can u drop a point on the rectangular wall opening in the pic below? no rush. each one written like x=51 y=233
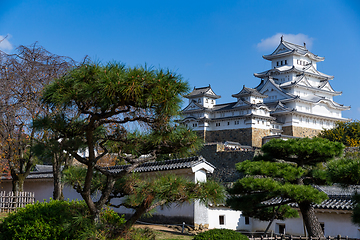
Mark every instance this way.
x=221 y=220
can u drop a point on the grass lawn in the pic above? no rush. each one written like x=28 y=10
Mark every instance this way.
x=169 y=235
x=3 y=215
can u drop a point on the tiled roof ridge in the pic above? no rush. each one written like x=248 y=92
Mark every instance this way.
x=171 y=164
x=296 y=45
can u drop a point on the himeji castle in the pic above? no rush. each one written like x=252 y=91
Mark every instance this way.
x=292 y=99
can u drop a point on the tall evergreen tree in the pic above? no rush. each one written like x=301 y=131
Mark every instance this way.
x=284 y=174
x=114 y=108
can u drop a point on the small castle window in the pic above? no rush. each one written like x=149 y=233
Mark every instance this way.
x=285 y=62
x=199 y=100
x=277 y=63
x=281 y=63
x=206 y=100
x=221 y=220
x=228 y=123
x=217 y=124
x=247 y=220
x=281 y=228
x=212 y=101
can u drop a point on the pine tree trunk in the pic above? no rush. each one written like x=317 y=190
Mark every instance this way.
x=312 y=224
x=138 y=213
x=58 y=186
x=58 y=189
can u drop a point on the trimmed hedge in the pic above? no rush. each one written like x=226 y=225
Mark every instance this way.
x=220 y=234
x=56 y=220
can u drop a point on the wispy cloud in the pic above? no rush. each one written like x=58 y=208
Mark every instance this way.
x=272 y=42
x=5 y=44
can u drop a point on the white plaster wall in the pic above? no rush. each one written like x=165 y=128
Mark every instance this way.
x=208 y=102
x=322 y=109
x=173 y=210
x=43 y=189
x=334 y=224
x=339 y=224
x=224 y=124
x=232 y=218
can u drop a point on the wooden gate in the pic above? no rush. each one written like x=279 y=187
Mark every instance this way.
x=11 y=201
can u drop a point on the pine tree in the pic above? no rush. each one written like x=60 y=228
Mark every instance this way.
x=116 y=109
x=284 y=174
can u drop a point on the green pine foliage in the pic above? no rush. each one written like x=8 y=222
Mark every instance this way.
x=116 y=109
x=220 y=234
x=284 y=173
x=160 y=190
x=345 y=171
x=355 y=217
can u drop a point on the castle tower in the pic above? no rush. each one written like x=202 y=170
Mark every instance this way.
x=293 y=99
x=299 y=96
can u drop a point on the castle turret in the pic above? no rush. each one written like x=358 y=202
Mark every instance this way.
x=204 y=96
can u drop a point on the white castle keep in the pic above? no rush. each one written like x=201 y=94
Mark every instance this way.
x=292 y=99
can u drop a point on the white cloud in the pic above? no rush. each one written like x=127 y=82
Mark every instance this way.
x=5 y=44
x=272 y=42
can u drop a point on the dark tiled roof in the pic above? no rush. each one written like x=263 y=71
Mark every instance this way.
x=294 y=48
x=41 y=171
x=248 y=92
x=45 y=171
x=175 y=164
x=339 y=198
x=43 y=168
x=203 y=91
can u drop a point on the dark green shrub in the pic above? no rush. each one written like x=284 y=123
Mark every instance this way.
x=220 y=234
x=56 y=220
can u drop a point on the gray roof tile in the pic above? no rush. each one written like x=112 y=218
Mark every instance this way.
x=175 y=164
x=203 y=91
x=339 y=198
x=45 y=171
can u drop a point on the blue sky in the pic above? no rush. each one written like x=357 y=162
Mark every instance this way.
x=208 y=42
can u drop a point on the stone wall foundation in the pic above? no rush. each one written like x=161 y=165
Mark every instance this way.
x=300 y=131
x=245 y=136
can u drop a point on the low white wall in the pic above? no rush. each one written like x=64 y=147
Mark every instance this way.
x=43 y=189
x=232 y=218
x=335 y=223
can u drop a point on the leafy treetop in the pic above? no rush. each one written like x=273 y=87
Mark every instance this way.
x=347 y=133
x=284 y=174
